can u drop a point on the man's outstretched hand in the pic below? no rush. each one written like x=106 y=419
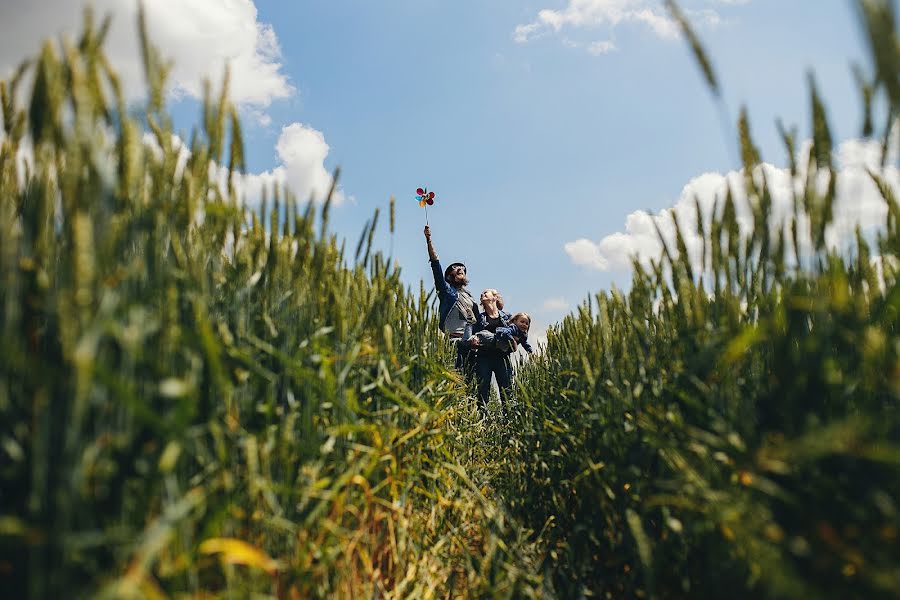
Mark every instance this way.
x=432 y=255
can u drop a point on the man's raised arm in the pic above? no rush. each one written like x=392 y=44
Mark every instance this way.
x=440 y=284
x=432 y=255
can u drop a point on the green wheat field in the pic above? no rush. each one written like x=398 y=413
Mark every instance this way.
x=200 y=400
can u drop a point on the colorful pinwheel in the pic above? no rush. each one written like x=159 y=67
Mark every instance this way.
x=424 y=197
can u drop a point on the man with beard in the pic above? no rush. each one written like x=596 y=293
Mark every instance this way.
x=456 y=308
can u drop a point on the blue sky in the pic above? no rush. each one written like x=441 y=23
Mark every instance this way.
x=531 y=145
x=537 y=123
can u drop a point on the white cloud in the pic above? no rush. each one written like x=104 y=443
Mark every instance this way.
x=556 y=304
x=602 y=47
x=661 y=25
x=589 y=13
x=201 y=36
x=178 y=144
x=582 y=14
x=301 y=151
x=523 y=33
x=858 y=202
x=586 y=253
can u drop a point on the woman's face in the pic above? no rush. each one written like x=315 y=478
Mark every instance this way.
x=487 y=297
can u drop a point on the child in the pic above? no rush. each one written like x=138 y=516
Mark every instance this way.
x=506 y=337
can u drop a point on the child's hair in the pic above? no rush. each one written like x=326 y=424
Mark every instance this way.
x=516 y=316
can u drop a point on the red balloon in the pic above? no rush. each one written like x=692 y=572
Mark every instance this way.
x=430 y=201
x=431 y=195
x=420 y=191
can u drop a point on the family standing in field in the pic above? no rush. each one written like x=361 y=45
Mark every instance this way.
x=484 y=340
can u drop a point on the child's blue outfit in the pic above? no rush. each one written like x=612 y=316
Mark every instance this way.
x=501 y=339
x=504 y=337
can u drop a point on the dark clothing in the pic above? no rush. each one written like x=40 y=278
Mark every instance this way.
x=492 y=361
x=466 y=361
x=492 y=323
x=486 y=323
x=498 y=365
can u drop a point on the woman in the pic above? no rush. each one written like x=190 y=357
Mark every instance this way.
x=492 y=361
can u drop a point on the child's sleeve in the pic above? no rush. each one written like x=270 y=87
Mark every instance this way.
x=504 y=334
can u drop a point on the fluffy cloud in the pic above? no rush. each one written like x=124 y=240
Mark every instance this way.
x=580 y=14
x=555 y=304
x=591 y=13
x=301 y=151
x=201 y=36
x=858 y=202
x=586 y=253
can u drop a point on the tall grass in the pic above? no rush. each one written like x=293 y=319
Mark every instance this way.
x=730 y=428
x=203 y=395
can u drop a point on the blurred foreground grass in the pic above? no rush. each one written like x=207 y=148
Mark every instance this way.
x=196 y=395
x=199 y=397
x=728 y=427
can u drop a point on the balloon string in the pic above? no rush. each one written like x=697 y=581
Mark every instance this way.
x=426 y=214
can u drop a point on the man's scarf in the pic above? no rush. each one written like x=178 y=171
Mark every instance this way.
x=465 y=309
